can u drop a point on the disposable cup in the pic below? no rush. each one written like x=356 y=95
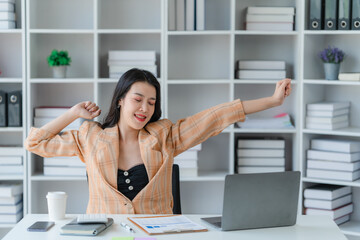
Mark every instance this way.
x=56 y=205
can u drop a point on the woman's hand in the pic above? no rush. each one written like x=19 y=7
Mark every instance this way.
x=282 y=90
x=87 y=110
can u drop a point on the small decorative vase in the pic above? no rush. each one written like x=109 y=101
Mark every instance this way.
x=59 y=71
x=331 y=71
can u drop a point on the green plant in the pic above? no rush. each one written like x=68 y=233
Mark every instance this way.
x=58 y=58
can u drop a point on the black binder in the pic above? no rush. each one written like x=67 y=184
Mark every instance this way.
x=3 y=109
x=355 y=15
x=316 y=14
x=14 y=109
x=344 y=18
x=330 y=16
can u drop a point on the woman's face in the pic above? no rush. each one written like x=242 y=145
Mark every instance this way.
x=137 y=107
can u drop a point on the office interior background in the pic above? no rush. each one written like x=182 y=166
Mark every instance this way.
x=196 y=68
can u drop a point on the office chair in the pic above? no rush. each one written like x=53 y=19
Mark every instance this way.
x=175 y=188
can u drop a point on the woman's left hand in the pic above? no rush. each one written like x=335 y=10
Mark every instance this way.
x=282 y=90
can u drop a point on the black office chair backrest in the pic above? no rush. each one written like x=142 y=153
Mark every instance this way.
x=176 y=189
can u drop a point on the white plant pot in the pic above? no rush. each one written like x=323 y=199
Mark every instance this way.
x=59 y=71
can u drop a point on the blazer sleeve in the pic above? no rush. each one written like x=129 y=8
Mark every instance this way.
x=195 y=129
x=68 y=143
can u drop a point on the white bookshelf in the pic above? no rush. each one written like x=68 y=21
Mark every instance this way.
x=196 y=70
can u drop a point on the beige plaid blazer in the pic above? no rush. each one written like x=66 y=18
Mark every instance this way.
x=159 y=143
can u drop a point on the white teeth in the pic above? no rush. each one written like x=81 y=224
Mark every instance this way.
x=140 y=116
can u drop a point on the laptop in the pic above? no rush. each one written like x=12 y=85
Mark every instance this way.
x=259 y=200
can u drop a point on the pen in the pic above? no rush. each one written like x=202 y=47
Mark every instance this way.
x=127 y=227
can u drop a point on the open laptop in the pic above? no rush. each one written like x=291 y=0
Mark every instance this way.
x=259 y=200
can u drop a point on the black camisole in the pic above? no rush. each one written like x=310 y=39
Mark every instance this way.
x=132 y=181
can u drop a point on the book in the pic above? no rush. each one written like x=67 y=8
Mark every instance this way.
x=180 y=15
x=11 y=200
x=327 y=204
x=261 y=143
x=187 y=155
x=9 y=16
x=271 y=10
x=259 y=64
x=326 y=191
x=188 y=172
x=281 y=121
x=333 y=156
x=88 y=229
x=11 y=218
x=64 y=171
x=324 y=126
x=261 y=74
x=131 y=62
x=269 y=26
x=342 y=219
x=41 y=121
x=189 y=15
x=327 y=120
x=349 y=76
x=336 y=145
x=332 y=165
x=186 y=163
x=7 y=7
x=11 y=209
x=64 y=162
x=334 y=213
x=11 y=150
x=11 y=160
x=46 y=111
x=329 y=113
x=260 y=153
x=265 y=161
x=132 y=55
x=172 y=15
x=10 y=189
x=327 y=106
x=5 y=24
x=200 y=15
x=125 y=68
x=11 y=169
x=257 y=169
x=289 y=18
x=333 y=175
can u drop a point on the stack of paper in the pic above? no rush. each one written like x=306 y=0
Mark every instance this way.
x=121 y=61
x=279 y=121
x=259 y=69
x=7 y=14
x=44 y=115
x=11 y=202
x=270 y=18
x=261 y=155
x=334 y=159
x=64 y=166
x=188 y=162
x=349 y=76
x=331 y=200
x=11 y=164
x=327 y=115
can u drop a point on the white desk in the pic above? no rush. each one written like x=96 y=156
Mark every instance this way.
x=307 y=227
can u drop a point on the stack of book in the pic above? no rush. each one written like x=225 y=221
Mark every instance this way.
x=334 y=159
x=349 y=76
x=270 y=18
x=121 y=61
x=279 y=121
x=11 y=164
x=188 y=162
x=259 y=69
x=44 y=115
x=330 y=200
x=64 y=166
x=186 y=15
x=7 y=14
x=11 y=202
x=327 y=115
x=261 y=155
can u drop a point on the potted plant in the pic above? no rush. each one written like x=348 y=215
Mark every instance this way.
x=331 y=57
x=59 y=60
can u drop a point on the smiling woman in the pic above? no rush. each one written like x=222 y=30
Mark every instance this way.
x=129 y=157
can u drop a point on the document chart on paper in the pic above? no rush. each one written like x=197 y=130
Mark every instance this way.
x=167 y=224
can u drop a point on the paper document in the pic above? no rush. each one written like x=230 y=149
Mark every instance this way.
x=166 y=224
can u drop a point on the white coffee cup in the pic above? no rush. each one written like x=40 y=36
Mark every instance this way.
x=56 y=205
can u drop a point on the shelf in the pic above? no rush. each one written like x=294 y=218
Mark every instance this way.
x=245 y=32
x=10 y=80
x=351 y=228
x=7 y=225
x=328 y=32
x=335 y=182
x=12 y=177
x=128 y=31
x=206 y=176
x=62 y=31
x=259 y=130
x=11 y=129
x=18 y=31
x=349 y=131
x=197 y=81
x=61 y=80
x=331 y=82
x=41 y=177
x=206 y=32
x=257 y=81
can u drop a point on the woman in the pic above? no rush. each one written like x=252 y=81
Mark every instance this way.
x=129 y=157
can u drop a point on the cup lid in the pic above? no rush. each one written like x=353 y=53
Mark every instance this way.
x=56 y=195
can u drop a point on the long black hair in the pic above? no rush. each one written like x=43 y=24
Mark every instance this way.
x=123 y=86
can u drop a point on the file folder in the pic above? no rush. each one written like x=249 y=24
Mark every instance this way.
x=316 y=14
x=330 y=15
x=14 y=109
x=355 y=15
x=344 y=19
x=3 y=109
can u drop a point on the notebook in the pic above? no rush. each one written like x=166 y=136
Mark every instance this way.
x=85 y=229
x=259 y=200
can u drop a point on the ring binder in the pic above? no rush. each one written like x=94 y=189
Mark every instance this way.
x=316 y=14
x=14 y=109
x=344 y=14
x=330 y=17
x=355 y=15
x=3 y=109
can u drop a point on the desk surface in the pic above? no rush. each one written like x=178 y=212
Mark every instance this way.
x=307 y=227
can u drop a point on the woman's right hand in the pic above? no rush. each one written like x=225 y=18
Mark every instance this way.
x=87 y=110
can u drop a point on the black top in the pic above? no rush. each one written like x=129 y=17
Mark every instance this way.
x=132 y=181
